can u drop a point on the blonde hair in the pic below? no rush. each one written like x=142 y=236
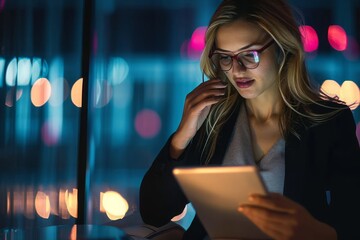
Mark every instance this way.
x=274 y=17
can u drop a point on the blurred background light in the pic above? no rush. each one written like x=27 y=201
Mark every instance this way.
x=42 y=205
x=337 y=37
x=348 y=92
x=60 y=93
x=147 y=123
x=50 y=133
x=331 y=88
x=11 y=73
x=2 y=70
x=197 y=43
x=114 y=205
x=309 y=38
x=24 y=71
x=71 y=202
x=76 y=93
x=13 y=94
x=118 y=70
x=352 y=51
x=40 y=92
x=103 y=93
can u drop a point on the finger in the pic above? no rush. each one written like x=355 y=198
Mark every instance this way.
x=274 y=227
x=274 y=202
x=204 y=99
x=196 y=108
x=211 y=84
x=266 y=215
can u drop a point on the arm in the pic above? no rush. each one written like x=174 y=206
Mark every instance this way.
x=160 y=196
x=345 y=178
x=283 y=218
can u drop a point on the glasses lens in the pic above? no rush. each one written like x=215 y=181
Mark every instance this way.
x=249 y=59
x=222 y=60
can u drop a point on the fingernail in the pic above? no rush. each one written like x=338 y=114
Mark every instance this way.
x=241 y=209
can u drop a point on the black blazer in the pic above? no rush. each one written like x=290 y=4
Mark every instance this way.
x=325 y=160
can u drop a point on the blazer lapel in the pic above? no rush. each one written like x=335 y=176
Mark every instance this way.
x=296 y=155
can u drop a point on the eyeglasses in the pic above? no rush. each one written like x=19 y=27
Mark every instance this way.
x=250 y=59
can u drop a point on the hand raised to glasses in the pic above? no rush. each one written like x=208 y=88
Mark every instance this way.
x=283 y=219
x=196 y=109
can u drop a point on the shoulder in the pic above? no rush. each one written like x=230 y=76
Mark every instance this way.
x=328 y=107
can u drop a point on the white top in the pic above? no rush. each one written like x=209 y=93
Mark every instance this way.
x=240 y=152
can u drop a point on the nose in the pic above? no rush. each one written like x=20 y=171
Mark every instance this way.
x=238 y=66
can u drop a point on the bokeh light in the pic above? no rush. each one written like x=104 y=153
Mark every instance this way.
x=60 y=93
x=63 y=212
x=147 y=123
x=197 y=43
x=76 y=93
x=40 y=92
x=349 y=93
x=71 y=203
x=2 y=70
x=331 y=88
x=309 y=38
x=352 y=51
x=11 y=73
x=337 y=37
x=9 y=101
x=118 y=70
x=114 y=205
x=29 y=205
x=50 y=133
x=42 y=205
x=39 y=68
x=103 y=93
x=24 y=71
x=2 y=5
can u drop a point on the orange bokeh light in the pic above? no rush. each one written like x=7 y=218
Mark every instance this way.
x=348 y=92
x=40 y=92
x=42 y=205
x=114 y=204
x=76 y=93
x=71 y=202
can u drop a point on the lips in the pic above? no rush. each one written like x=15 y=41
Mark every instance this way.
x=244 y=82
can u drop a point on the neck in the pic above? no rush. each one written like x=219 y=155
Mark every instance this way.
x=264 y=109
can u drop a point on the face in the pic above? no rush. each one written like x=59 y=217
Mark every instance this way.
x=238 y=37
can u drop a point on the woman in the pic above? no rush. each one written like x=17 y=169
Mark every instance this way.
x=259 y=108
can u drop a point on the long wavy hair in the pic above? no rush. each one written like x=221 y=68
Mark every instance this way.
x=276 y=18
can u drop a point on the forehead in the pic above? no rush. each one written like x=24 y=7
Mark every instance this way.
x=238 y=34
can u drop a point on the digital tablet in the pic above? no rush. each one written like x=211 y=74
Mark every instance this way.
x=217 y=192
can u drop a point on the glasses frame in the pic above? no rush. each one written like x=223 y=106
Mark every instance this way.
x=238 y=59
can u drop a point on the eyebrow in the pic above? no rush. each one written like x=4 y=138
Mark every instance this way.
x=238 y=50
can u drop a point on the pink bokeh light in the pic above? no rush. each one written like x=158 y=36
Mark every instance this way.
x=197 y=43
x=309 y=38
x=337 y=37
x=352 y=51
x=50 y=134
x=147 y=123
x=2 y=5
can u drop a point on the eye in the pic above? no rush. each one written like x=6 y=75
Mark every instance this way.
x=224 y=59
x=251 y=56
